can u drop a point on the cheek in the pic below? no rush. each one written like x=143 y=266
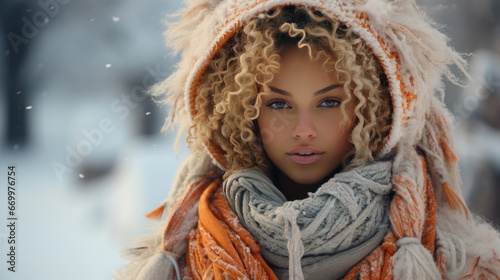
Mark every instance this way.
x=265 y=132
x=345 y=124
x=271 y=126
x=339 y=133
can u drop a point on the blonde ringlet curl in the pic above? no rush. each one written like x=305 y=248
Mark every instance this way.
x=230 y=92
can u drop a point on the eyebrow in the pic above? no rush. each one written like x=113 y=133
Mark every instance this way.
x=321 y=91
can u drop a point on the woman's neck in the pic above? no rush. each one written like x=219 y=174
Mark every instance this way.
x=293 y=190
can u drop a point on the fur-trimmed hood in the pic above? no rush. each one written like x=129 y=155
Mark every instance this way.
x=413 y=54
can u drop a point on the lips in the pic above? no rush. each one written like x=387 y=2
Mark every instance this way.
x=305 y=155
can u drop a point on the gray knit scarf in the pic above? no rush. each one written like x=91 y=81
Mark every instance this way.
x=322 y=236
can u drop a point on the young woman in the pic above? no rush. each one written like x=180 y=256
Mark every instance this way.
x=319 y=148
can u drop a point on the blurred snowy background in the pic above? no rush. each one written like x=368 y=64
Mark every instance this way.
x=86 y=140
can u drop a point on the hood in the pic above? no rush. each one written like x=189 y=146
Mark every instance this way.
x=413 y=54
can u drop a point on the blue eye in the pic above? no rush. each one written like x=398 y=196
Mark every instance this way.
x=278 y=105
x=329 y=103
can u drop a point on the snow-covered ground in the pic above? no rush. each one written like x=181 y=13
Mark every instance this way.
x=73 y=229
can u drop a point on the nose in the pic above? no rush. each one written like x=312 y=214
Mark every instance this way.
x=304 y=127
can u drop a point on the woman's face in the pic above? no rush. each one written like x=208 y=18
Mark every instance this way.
x=300 y=120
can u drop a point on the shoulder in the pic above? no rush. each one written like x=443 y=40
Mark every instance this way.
x=147 y=257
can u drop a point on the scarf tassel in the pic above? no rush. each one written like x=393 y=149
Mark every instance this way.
x=160 y=266
x=294 y=244
x=414 y=261
x=157 y=213
x=454 y=201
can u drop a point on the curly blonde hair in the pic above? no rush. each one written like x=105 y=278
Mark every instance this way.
x=230 y=91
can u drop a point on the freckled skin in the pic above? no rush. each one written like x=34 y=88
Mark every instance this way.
x=302 y=115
